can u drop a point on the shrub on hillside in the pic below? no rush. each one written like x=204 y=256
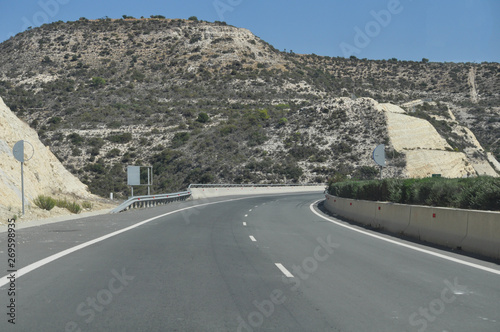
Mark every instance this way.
x=45 y=202
x=87 y=205
x=180 y=139
x=203 y=117
x=72 y=207
x=120 y=138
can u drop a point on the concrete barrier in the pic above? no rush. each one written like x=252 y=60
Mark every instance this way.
x=198 y=193
x=337 y=205
x=483 y=233
x=360 y=211
x=444 y=226
x=473 y=231
x=394 y=218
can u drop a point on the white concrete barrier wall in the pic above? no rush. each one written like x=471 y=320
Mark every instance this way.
x=483 y=233
x=444 y=226
x=473 y=231
x=198 y=193
x=392 y=217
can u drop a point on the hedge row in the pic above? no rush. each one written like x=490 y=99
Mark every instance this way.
x=481 y=193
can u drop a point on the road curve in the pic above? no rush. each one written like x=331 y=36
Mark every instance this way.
x=247 y=264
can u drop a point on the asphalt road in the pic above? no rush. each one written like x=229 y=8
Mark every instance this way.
x=249 y=264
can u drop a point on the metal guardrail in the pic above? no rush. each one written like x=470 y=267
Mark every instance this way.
x=154 y=200
x=151 y=200
x=221 y=185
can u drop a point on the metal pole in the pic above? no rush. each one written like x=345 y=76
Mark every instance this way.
x=22 y=184
x=131 y=187
x=381 y=172
x=149 y=183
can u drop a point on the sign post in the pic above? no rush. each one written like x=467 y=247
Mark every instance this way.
x=379 y=157
x=18 y=152
x=134 y=177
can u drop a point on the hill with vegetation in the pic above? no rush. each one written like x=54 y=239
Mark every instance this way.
x=207 y=102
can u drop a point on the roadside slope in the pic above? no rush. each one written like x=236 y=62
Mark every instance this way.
x=43 y=174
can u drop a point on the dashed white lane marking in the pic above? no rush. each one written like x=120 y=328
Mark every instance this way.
x=244 y=223
x=252 y=238
x=409 y=246
x=284 y=270
x=246 y=215
x=250 y=210
x=27 y=269
x=256 y=206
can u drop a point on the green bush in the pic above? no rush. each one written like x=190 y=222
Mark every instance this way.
x=180 y=139
x=72 y=207
x=113 y=153
x=75 y=139
x=282 y=122
x=87 y=205
x=203 y=117
x=120 y=138
x=482 y=193
x=62 y=203
x=98 y=82
x=45 y=202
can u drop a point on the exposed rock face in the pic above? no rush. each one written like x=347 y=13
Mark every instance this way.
x=424 y=163
x=43 y=173
x=407 y=133
x=426 y=151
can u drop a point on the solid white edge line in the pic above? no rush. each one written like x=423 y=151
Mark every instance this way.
x=429 y=252
x=284 y=270
x=27 y=269
x=252 y=238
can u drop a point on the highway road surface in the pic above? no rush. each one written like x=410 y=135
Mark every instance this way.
x=268 y=263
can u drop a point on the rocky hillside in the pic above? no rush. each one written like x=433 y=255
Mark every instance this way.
x=207 y=102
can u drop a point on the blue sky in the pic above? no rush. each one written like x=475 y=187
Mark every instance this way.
x=440 y=30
